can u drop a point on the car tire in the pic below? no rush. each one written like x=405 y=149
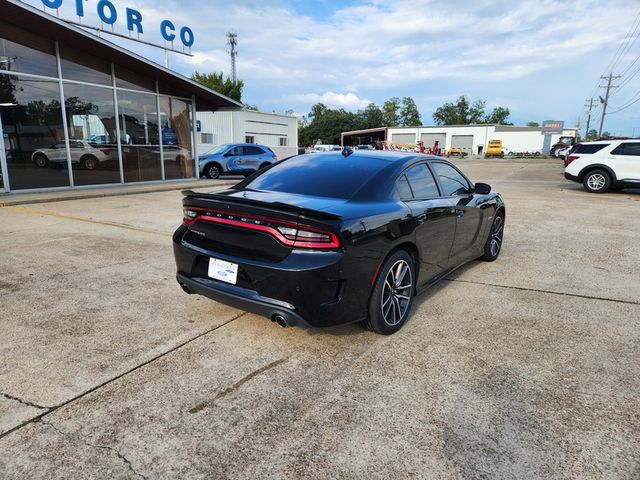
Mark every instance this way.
x=493 y=245
x=89 y=162
x=392 y=295
x=41 y=160
x=597 y=181
x=212 y=171
x=264 y=165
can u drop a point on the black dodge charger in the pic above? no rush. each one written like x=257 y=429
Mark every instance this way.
x=327 y=239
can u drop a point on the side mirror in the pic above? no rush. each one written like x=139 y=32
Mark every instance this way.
x=228 y=154
x=482 y=189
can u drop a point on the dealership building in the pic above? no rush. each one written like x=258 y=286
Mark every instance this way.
x=278 y=132
x=472 y=139
x=79 y=111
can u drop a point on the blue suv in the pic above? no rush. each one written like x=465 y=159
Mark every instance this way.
x=235 y=159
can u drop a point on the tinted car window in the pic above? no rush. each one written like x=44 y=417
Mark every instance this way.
x=422 y=182
x=235 y=151
x=253 y=151
x=319 y=175
x=627 y=149
x=403 y=188
x=453 y=183
x=589 y=148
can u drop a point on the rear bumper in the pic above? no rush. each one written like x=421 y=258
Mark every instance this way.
x=243 y=299
x=309 y=289
x=573 y=178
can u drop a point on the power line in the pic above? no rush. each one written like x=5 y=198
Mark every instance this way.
x=621 y=50
x=625 y=44
x=631 y=102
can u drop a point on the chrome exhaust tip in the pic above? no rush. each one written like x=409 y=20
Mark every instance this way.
x=279 y=319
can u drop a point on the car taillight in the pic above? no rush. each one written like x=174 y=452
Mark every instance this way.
x=290 y=234
x=571 y=158
x=304 y=238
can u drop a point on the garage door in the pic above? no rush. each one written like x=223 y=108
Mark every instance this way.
x=403 y=138
x=430 y=139
x=464 y=142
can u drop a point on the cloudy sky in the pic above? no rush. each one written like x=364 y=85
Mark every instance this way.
x=539 y=58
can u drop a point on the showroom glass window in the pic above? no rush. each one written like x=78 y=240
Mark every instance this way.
x=23 y=52
x=175 y=123
x=82 y=67
x=91 y=121
x=140 y=136
x=125 y=78
x=34 y=134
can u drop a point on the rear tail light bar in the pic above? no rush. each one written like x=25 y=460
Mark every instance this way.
x=290 y=234
x=571 y=158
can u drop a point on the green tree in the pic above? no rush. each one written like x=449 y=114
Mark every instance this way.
x=371 y=117
x=391 y=112
x=498 y=116
x=327 y=125
x=592 y=134
x=460 y=112
x=409 y=115
x=533 y=124
x=221 y=84
x=606 y=134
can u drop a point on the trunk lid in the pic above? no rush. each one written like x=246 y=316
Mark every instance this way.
x=263 y=226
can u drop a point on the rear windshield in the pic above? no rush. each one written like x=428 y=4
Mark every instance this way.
x=589 y=147
x=332 y=176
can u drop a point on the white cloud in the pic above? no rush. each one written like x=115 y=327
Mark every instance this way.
x=349 y=101
x=522 y=52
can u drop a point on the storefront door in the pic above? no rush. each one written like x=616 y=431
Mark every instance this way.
x=3 y=160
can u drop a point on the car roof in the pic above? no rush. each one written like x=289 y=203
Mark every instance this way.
x=388 y=155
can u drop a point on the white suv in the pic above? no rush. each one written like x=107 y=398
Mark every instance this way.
x=605 y=165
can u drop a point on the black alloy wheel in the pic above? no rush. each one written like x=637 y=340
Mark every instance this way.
x=493 y=245
x=41 y=160
x=89 y=162
x=212 y=171
x=392 y=295
x=597 y=181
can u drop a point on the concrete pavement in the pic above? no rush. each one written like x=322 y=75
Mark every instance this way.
x=523 y=368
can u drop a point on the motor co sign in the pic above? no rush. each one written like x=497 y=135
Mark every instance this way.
x=108 y=14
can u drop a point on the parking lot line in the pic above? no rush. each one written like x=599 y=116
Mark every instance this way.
x=52 y=409
x=33 y=211
x=589 y=297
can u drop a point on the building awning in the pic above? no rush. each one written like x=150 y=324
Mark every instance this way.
x=31 y=19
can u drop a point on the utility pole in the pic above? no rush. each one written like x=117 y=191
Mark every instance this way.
x=590 y=107
x=232 y=40
x=605 y=100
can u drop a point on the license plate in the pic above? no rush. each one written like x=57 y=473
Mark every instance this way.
x=223 y=271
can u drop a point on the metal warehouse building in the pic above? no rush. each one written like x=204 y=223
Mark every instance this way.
x=472 y=139
x=79 y=111
x=278 y=132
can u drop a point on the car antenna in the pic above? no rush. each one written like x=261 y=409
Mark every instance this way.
x=346 y=151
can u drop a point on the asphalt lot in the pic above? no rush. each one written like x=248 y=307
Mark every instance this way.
x=528 y=367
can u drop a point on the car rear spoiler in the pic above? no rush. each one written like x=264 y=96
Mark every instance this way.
x=305 y=212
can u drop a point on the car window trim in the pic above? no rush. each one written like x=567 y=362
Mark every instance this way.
x=437 y=177
x=421 y=199
x=413 y=196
